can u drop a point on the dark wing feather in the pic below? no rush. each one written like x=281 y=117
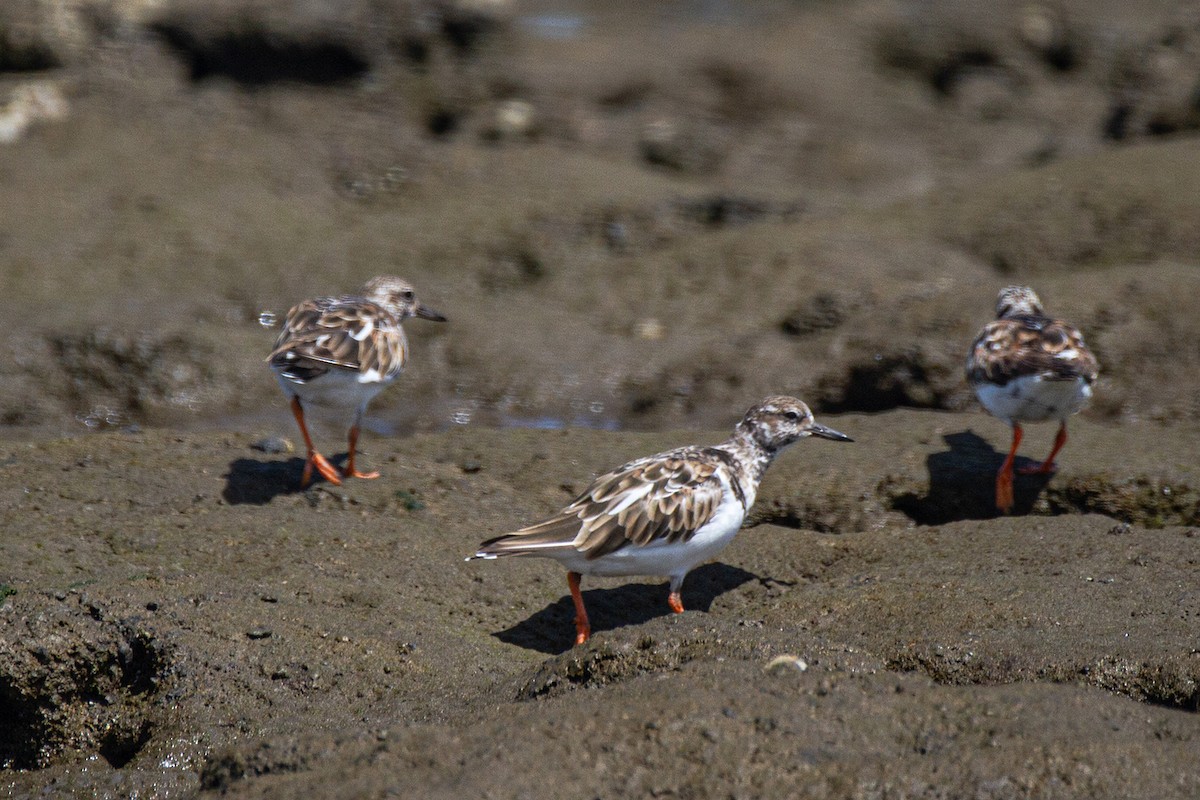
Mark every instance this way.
x=327 y=333
x=1015 y=347
x=678 y=492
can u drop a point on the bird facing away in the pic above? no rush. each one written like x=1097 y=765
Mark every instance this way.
x=1027 y=367
x=666 y=513
x=341 y=352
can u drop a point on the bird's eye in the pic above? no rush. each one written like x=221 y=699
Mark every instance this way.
x=792 y=415
x=407 y=294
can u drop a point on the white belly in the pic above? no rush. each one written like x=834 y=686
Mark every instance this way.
x=338 y=388
x=670 y=559
x=1034 y=399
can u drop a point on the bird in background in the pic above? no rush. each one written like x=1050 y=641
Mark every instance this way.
x=341 y=352
x=1028 y=367
x=666 y=513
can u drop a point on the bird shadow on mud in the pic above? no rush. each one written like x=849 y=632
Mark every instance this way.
x=962 y=483
x=254 y=482
x=552 y=630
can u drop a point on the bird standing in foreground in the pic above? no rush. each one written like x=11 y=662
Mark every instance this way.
x=666 y=513
x=1027 y=367
x=341 y=352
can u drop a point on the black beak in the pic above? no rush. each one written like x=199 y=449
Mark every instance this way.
x=425 y=312
x=817 y=429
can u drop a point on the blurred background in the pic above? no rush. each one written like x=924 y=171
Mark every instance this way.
x=635 y=215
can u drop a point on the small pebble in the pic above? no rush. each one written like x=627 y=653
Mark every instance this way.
x=273 y=445
x=258 y=633
x=786 y=663
x=514 y=118
x=649 y=329
x=471 y=465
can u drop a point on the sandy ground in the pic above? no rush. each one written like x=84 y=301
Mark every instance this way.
x=186 y=620
x=639 y=220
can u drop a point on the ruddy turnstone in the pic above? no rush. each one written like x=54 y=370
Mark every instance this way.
x=1027 y=367
x=341 y=352
x=666 y=513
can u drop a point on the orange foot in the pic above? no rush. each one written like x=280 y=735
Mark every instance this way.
x=353 y=473
x=1047 y=466
x=350 y=471
x=583 y=628
x=1004 y=491
x=675 y=602
x=327 y=470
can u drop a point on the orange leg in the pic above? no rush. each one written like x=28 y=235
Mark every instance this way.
x=1004 y=478
x=351 y=472
x=583 y=628
x=1047 y=466
x=675 y=601
x=314 y=458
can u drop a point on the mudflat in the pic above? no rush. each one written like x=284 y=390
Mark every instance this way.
x=639 y=221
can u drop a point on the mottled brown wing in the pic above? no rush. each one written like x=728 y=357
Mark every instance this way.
x=338 y=333
x=1020 y=346
x=667 y=497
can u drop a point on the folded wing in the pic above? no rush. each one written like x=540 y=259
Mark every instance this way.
x=1016 y=347
x=664 y=498
x=331 y=333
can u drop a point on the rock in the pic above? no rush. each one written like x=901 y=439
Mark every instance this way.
x=785 y=664
x=29 y=104
x=512 y=119
x=273 y=445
